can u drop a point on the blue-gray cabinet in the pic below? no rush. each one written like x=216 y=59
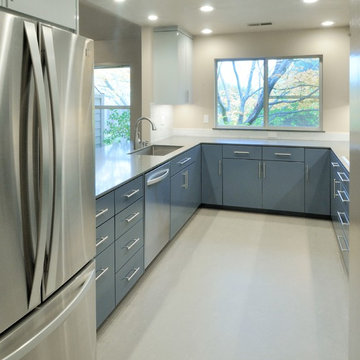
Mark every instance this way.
x=340 y=201
x=185 y=196
x=317 y=181
x=242 y=183
x=283 y=186
x=211 y=174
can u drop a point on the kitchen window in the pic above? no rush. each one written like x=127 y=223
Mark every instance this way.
x=269 y=93
x=112 y=105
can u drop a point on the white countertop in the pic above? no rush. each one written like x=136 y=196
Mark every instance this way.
x=114 y=166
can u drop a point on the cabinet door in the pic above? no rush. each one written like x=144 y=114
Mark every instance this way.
x=317 y=181
x=283 y=186
x=242 y=183
x=62 y=12
x=185 y=196
x=211 y=174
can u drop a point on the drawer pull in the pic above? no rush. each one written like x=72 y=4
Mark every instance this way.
x=259 y=170
x=135 y=271
x=220 y=167
x=283 y=154
x=132 y=193
x=132 y=244
x=335 y=164
x=101 y=212
x=185 y=185
x=182 y=162
x=101 y=240
x=264 y=170
x=103 y=271
x=132 y=217
x=242 y=152
x=307 y=173
x=343 y=177
x=343 y=196
x=343 y=222
x=342 y=243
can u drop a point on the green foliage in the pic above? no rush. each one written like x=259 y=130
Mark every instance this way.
x=117 y=127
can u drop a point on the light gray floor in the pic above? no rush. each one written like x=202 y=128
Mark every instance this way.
x=237 y=286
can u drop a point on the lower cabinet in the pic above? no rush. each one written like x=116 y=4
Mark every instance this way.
x=283 y=186
x=242 y=183
x=105 y=280
x=317 y=181
x=211 y=175
x=185 y=196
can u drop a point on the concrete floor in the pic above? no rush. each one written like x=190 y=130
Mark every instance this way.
x=237 y=286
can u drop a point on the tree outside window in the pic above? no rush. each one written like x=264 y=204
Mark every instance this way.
x=282 y=93
x=112 y=105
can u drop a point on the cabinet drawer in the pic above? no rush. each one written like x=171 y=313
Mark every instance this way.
x=343 y=177
x=129 y=274
x=242 y=152
x=127 y=194
x=126 y=219
x=104 y=208
x=105 y=284
x=283 y=153
x=185 y=159
x=128 y=244
x=104 y=235
x=343 y=244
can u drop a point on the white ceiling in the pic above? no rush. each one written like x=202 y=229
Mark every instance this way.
x=230 y=16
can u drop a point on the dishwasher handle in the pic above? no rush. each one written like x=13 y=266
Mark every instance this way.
x=157 y=177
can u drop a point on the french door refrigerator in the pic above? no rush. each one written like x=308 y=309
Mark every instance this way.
x=47 y=204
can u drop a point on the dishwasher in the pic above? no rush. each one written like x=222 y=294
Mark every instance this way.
x=157 y=211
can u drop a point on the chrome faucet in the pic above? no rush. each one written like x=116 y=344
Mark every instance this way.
x=138 y=142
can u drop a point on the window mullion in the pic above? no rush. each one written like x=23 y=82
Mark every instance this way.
x=266 y=95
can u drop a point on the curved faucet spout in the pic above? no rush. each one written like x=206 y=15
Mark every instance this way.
x=138 y=136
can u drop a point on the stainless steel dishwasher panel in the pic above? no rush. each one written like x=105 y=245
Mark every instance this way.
x=157 y=211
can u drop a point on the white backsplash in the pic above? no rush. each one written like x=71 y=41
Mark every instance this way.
x=163 y=117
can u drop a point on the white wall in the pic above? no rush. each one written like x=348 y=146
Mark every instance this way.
x=333 y=44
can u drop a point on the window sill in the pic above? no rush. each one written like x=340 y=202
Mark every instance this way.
x=270 y=130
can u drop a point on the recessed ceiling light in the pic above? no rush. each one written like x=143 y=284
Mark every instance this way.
x=206 y=31
x=119 y=0
x=310 y=1
x=153 y=17
x=328 y=23
x=207 y=8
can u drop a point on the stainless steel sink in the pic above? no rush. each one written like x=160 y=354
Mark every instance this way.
x=157 y=150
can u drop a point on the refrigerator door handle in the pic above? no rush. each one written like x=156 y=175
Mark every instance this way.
x=50 y=62
x=45 y=164
x=26 y=337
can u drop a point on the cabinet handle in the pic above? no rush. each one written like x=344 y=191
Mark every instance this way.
x=186 y=180
x=101 y=212
x=132 y=193
x=342 y=247
x=343 y=177
x=334 y=188
x=344 y=223
x=283 y=154
x=182 y=162
x=157 y=177
x=132 y=217
x=242 y=152
x=101 y=240
x=220 y=167
x=259 y=168
x=264 y=170
x=133 y=243
x=307 y=173
x=128 y=278
x=335 y=164
x=103 y=271
x=344 y=198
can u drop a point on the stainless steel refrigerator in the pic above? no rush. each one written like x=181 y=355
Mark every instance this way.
x=47 y=204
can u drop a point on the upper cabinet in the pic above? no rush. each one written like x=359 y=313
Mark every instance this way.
x=63 y=13
x=172 y=61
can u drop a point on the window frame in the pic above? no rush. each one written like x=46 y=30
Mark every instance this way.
x=111 y=107
x=266 y=126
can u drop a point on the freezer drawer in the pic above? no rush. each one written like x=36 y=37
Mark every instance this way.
x=52 y=330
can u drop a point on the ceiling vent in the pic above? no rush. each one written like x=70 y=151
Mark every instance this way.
x=261 y=24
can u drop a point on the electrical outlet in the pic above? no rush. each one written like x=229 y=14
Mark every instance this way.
x=206 y=118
